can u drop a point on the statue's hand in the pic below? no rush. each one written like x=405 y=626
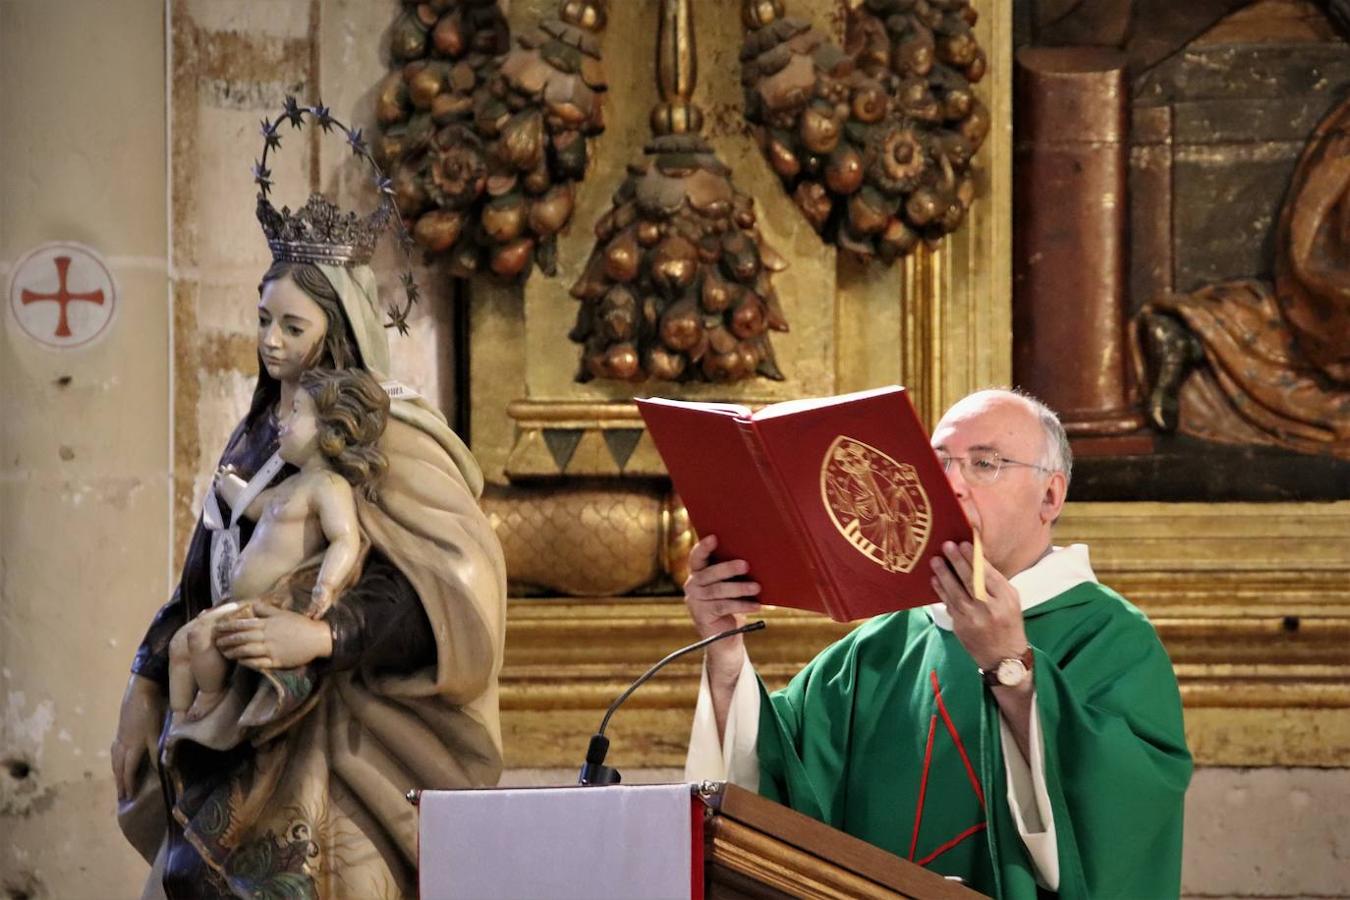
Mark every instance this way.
x=266 y=637
x=138 y=727
x=227 y=484
x=321 y=600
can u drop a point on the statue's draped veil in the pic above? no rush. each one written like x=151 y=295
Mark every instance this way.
x=356 y=287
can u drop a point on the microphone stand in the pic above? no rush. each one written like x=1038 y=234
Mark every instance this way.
x=595 y=772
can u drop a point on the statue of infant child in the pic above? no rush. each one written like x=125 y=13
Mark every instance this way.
x=335 y=422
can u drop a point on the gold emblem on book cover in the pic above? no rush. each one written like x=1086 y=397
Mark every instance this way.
x=879 y=505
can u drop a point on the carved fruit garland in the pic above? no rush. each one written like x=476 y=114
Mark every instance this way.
x=874 y=142
x=678 y=286
x=486 y=141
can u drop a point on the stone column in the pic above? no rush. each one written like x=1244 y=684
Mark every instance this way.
x=1069 y=260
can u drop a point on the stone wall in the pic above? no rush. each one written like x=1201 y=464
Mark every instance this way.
x=84 y=445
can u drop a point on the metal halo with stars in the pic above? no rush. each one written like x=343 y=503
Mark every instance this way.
x=294 y=113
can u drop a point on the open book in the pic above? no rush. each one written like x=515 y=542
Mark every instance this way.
x=837 y=503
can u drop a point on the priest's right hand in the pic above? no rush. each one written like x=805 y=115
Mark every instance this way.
x=717 y=603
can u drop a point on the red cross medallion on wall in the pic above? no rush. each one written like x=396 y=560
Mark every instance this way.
x=63 y=295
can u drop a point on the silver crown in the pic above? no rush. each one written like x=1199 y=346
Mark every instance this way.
x=320 y=232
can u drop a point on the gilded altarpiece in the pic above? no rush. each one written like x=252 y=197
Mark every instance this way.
x=1252 y=600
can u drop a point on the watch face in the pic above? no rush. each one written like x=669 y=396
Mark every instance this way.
x=1011 y=672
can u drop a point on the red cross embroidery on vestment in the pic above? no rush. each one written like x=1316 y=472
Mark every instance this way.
x=923 y=781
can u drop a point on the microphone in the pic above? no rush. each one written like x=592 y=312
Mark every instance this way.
x=595 y=772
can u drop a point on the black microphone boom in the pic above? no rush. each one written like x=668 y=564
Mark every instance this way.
x=595 y=772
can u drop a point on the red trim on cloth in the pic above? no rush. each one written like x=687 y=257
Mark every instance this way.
x=960 y=747
x=927 y=767
x=923 y=785
x=974 y=829
x=696 y=849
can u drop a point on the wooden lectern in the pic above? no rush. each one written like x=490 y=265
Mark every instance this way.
x=654 y=842
x=754 y=847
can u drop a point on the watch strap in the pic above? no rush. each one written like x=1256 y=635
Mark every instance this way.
x=990 y=675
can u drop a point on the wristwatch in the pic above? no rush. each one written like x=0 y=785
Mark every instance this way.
x=1010 y=672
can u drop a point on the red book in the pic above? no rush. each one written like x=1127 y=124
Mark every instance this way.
x=837 y=503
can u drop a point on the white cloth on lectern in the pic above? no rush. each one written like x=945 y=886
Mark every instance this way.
x=626 y=842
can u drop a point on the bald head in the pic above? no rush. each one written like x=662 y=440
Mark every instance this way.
x=1055 y=453
x=1016 y=510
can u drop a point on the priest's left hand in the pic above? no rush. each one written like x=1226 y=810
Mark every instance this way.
x=992 y=630
x=265 y=637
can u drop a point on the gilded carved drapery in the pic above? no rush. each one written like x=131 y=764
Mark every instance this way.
x=1278 y=356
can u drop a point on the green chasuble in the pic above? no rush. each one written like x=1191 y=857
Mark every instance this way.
x=891 y=736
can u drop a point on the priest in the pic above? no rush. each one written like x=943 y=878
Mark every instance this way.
x=1028 y=741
